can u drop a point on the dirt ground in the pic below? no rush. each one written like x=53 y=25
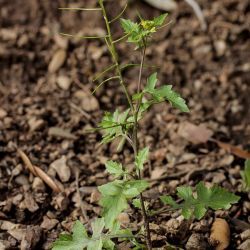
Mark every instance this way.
x=46 y=106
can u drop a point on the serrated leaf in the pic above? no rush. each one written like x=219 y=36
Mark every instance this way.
x=168 y=200
x=158 y=21
x=128 y=26
x=134 y=188
x=141 y=158
x=214 y=198
x=151 y=82
x=173 y=97
x=97 y=226
x=77 y=241
x=114 y=168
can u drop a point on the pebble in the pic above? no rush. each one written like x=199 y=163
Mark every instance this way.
x=196 y=241
x=57 y=61
x=63 y=82
x=61 y=168
x=3 y=113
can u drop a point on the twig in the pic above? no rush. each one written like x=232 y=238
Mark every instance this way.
x=79 y=194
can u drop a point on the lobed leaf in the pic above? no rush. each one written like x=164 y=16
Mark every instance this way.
x=141 y=158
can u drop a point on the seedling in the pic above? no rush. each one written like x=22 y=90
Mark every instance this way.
x=128 y=186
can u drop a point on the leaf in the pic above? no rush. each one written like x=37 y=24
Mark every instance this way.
x=151 y=82
x=128 y=26
x=141 y=158
x=165 y=93
x=114 y=168
x=136 y=203
x=77 y=241
x=158 y=21
x=173 y=97
x=115 y=195
x=214 y=198
x=196 y=134
x=246 y=175
x=114 y=125
x=168 y=200
x=134 y=188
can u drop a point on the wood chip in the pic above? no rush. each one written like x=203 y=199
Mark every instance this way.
x=61 y=168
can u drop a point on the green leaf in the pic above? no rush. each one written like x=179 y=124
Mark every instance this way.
x=77 y=241
x=114 y=125
x=173 y=97
x=214 y=198
x=136 y=203
x=158 y=21
x=168 y=200
x=114 y=168
x=151 y=82
x=115 y=195
x=141 y=158
x=129 y=26
x=246 y=175
x=134 y=188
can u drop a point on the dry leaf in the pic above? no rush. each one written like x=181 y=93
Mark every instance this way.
x=220 y=234
x=232 y=149
x=39 y=172
x=195 y=134
x=60 y=132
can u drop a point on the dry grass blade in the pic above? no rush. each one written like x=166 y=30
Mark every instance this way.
x=39 y=172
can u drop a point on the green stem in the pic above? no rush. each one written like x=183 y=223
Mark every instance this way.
x=135 y=142
x=114 y=54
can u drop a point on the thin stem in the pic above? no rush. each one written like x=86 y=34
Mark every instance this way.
x=87 y=9
x=114 y=54
x=83 y=37
x=106 y=80
x=119 y=15
x=135 y=142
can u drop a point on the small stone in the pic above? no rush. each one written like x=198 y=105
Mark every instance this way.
x=196 y=241
x=123 y=218
x=38 y=184
x=245 y=235
x=220 y=47
x=48 y=223
x=95 y=196
x=61 y=168
x=57 y=61
x=22 y=180
x=88 y=101
x=63 y=82
x=35 y=124
x=245 y=245
x=3 y=113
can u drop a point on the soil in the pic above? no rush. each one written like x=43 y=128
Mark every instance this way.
x=46 y=106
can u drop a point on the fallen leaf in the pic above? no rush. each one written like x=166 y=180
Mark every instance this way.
x=195 y=134
x=39 y=172
x=232 y=149
x=60 y=132
x=220 y=234
x=157 y=172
